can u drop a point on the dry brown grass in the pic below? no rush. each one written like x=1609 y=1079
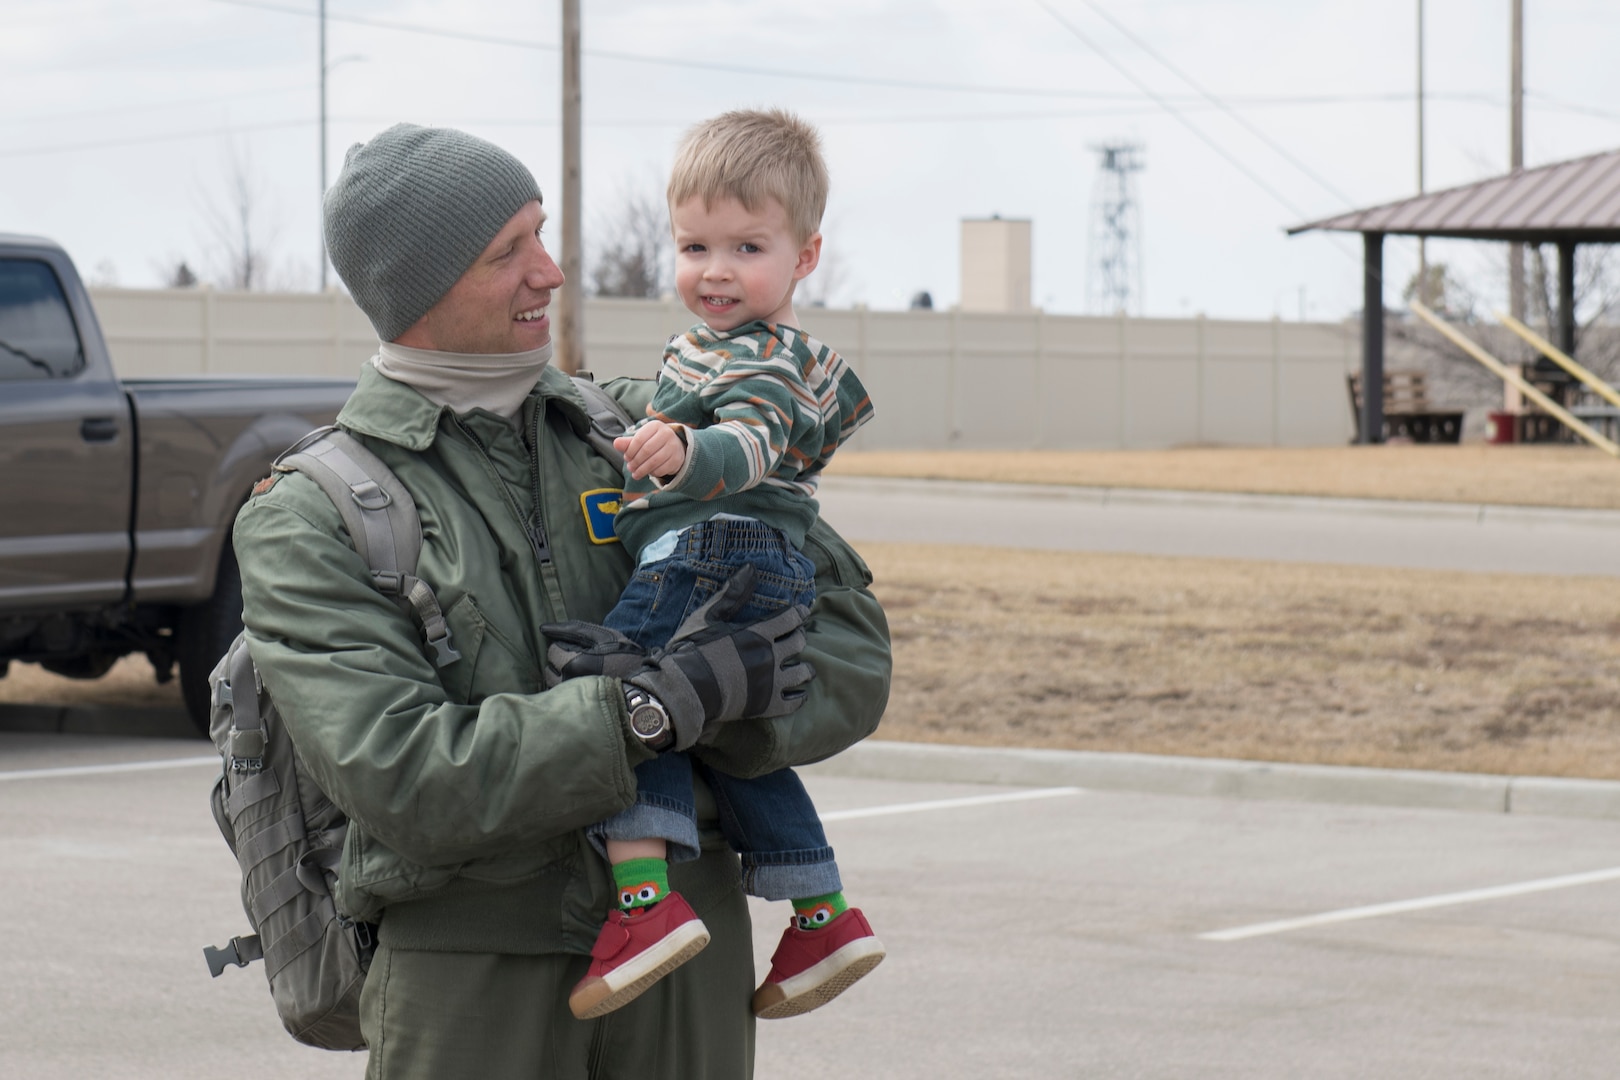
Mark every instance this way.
x=129 y=683
x=1565 y=476
x=1333 y=665
x=1341 y=665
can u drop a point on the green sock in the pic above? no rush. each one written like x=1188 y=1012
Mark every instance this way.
x=642 y=882
x=817 y=911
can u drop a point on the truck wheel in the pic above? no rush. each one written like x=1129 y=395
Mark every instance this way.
x=205 y=632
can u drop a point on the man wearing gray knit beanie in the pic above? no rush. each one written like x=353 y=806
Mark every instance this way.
x=467 y=785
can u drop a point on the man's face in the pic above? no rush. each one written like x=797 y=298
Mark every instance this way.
x=499 y=304
x=734 y=265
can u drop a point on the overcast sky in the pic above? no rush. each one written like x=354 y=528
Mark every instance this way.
x=120 y=122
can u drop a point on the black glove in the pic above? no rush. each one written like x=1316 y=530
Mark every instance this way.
x=580 y=648
x=712 y=671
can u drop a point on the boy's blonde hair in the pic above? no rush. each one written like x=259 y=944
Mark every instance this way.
x=752 y=155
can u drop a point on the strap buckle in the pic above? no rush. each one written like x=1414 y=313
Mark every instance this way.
x=240 y=951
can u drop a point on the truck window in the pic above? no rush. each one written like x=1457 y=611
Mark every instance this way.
x=38 y=339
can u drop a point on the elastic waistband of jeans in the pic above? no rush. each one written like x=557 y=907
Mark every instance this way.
x=729 y=534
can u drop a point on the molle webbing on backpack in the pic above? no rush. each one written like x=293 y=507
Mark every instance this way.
x=382 y=520
x=288 y=839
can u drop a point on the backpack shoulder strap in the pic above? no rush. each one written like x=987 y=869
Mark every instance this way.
x=608 y=418
x=382 y=520
x=379 y=513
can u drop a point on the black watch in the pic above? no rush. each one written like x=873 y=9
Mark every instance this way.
x=649 y=720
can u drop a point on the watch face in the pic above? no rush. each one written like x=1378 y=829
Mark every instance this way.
x=647 y=721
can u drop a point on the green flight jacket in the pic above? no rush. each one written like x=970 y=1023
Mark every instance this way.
x=468 y=786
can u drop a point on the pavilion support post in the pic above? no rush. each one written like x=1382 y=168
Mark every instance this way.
x=1372 y=338
x=1566 y=297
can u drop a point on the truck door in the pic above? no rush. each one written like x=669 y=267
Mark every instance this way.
x=66 y=453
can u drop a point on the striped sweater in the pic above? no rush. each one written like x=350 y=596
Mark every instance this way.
x=765 y=406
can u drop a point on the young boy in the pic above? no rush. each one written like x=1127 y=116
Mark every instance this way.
x=723 y=473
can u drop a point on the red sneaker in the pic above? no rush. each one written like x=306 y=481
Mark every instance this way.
x=811 y=967
x=634 y=951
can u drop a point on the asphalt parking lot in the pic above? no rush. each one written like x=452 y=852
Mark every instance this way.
x=1040 y=932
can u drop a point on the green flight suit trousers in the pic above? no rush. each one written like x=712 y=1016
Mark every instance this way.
x=448 y=1016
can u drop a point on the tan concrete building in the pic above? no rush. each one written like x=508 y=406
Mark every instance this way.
x=996 y=264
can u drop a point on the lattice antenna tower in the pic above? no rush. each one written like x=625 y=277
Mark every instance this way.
x=1114 y=278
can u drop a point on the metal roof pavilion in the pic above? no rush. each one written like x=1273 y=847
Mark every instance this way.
x=1565 y=204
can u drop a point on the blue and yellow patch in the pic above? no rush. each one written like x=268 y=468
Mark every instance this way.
x=601 y=506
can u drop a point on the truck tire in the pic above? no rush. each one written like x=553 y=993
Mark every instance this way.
x=205 y=632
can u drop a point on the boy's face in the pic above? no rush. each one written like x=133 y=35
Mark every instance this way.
x=734 y=265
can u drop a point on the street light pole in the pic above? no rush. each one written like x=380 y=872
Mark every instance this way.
x=1423 y=252
x=1516 y=153
x=570 y=312
x=320 y=216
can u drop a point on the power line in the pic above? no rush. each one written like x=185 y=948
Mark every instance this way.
x=152 y=106
x=176 y=136
x=1231 y=159
x=1213 y=100
x=819 y=76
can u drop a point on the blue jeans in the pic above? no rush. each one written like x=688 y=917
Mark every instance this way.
x=768 y=820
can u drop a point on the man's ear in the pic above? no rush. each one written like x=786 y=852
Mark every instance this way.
x=419 y=335
x=809 y=257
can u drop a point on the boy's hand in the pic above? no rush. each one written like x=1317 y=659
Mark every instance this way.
x=656 y=449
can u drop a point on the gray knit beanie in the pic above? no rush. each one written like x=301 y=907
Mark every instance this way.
x=411 y=211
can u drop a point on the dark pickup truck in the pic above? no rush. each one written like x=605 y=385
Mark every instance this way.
x=117 y=497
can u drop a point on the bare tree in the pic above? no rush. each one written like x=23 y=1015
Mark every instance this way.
x=240 y=230
x=174 y=272
x=1448 y=297
x=635 y=255
x=1458 y=379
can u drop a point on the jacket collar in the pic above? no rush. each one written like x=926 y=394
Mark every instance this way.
x=395 y=413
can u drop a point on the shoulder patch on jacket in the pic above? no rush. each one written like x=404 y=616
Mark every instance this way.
x=266 y=484
x=600 y=506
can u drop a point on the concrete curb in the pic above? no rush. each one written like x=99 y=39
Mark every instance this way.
x=1148 y=773
x=1224 y=778
x=158 y=721
x=1478 y=513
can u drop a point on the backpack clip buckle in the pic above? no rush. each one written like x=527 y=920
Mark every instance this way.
x=234 y=952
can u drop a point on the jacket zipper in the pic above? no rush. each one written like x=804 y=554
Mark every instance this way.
x=533 y=526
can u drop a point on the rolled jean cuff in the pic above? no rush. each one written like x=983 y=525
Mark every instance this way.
x=790 y=878
x=651 y=820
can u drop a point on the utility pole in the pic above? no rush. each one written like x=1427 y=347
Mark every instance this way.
x=570 y=321
x=1423 y=253
x=1516 y=155
x=320 y=215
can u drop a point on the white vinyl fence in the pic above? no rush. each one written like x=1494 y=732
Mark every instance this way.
x=939 y=380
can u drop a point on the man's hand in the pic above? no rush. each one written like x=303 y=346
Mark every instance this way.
x=656 y=449
x=713 y=671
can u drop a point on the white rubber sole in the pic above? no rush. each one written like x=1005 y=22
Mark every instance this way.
x=814 y=987
x=622 y=985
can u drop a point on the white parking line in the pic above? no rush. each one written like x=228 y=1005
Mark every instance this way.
x=96 y=770
x=949 y=804
x=1373 y=911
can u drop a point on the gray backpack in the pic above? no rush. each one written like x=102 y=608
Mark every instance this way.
x=285 y=833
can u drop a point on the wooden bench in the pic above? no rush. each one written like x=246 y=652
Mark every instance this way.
x=1407 y=411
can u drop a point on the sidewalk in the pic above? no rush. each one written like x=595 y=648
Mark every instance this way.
x=1146 y=773
x=1224 y=778
x=1429 y=535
